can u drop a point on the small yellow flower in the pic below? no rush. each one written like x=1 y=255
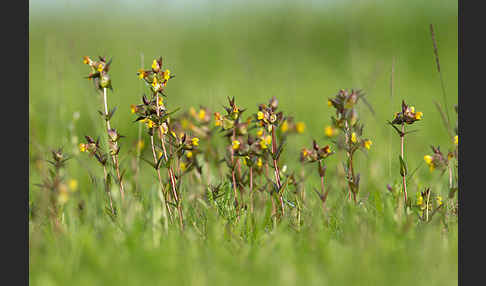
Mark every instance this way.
x=285 y=126
x=273 y=118
x=259 y=163
x=173 y=134
x=140 y=145
x=439 y=200
x=263 y=145
x=133 y=108
x=456 y=140
x=420 y=199
x=329 y=103
x=329 y=131
x=367 y=144
x=161 y=101
x=73 y=185
x=192 y=111
x=166 y=74
x=83 y=147
x=300 y=127
x=86 y=60
x=235 y=144
x=155 y=65
x=412 y=109
x=189 y=154
x=428 y=159
x=268 y=139
x=100 y=67
x=150 y=123
x=183 y=166
x=202 y=114
x=195 y=141
x=160 y=155
x=218 y=120
x=260 y=115
x=327 y=149
x=260 y=132
x=141 y=74
x=63 y=194
x=354 y=139
x=154 y=82
x=304 y=153
x=419 y=115
x=450 y=156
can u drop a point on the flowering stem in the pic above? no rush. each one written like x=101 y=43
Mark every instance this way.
x=277 y=172
x=233 y=138
x=170 y=171
x=115 y=146
x=402 y=139
x=164 y=201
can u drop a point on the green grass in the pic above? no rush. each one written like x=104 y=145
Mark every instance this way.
x=300 y=53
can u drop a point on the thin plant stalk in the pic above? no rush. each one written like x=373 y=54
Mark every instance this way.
x=277 y=171
x=233 y=175
x=170 y=171
x=404 y=183
x=107 y=190
x=161 y=185
x=114 y=156
x=251 y=189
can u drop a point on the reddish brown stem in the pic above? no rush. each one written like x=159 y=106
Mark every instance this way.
x=233 y=138
x=277 y=172
x=402 y=139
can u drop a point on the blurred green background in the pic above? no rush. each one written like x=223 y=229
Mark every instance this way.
x=302 y=52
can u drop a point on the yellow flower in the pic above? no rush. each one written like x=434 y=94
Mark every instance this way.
x=300 y=127
x=285 y=126
x=420 y=199
x=188 y=154
x=183 y=166
x=439 y=200
x=141 y=74
x=260 y=132
x=63 y=194
x=412 y=109
x=83 y=147
x=419 y=115
x=173 y=134
x=259 y=162
x=140 y=145
x=260 y=115
x=268 y=139
x=304 y=153
x=273 y=118
x=160 y=155
x=202 y=114
x=161 y=101
x=100 y=67
x=218 y=120
x=456 y=140
x=150 y=123
x=263 y=145
x=73 y=185
x=450 y=156
x=428 y=159
x=367 y=144
x=86 y=60
x=133 y=108
x=154 y=82
x=155 y=65
x=329 y=131
x=166 y=74
x=195 y=141
x=235 y=144
x=354 y=139
x=192 y=111
x=329 y=103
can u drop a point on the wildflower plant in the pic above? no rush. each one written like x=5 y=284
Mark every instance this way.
x=318 y=155
x=270 y=120
x=55 y=184
x=345 y=124
x=233 y=127
x=154 y=113
x=101 y=79
x=407 y=116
